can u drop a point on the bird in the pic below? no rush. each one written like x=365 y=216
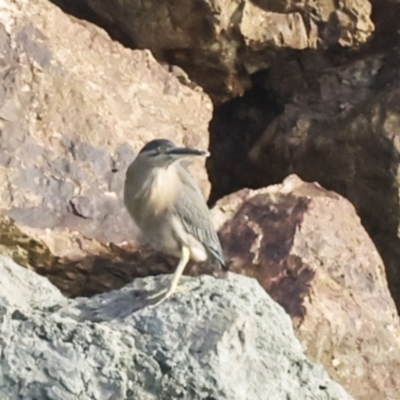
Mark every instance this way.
x=168 y=206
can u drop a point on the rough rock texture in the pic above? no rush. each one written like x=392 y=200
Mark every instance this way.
x=340 y=130
x=74 y=108
x=72 y=115
x=307 y=248
x=103 y=266
x=220 y=43
x=330 y=117
x=304 y=116
x=321 y=96
x=225 y=339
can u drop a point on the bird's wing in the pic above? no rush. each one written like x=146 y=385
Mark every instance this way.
x=195 y=216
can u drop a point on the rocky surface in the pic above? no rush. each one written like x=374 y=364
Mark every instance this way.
x=222 y=43
x=340 y=130
x=327 y=116
x=320 y=85
x=222 y=339
x=72 y=115
x=307 y=248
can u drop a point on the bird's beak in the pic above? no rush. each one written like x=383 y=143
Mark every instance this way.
x=180 y=152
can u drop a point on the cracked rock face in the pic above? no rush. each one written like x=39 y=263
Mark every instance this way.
x=220 y=43
x=221 y=339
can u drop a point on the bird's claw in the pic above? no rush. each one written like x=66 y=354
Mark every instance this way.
x=159 y=297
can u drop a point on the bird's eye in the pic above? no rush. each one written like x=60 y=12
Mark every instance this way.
x=162 y=149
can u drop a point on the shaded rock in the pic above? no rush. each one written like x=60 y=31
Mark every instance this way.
x=307 y=248
x=224 y=339
x=331 y=118
x=97 y=268
x=73 y=115
x=221 y=43
x=300 y=107
x=22 y=248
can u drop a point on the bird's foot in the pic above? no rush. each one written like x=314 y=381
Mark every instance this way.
x=156 y=299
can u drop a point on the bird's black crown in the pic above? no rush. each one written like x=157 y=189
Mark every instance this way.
x=156 y=144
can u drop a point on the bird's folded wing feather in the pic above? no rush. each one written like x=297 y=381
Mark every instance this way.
x=195 y=215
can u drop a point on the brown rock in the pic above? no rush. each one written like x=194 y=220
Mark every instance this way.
x=74 y=108
x=219 y=43
x=307 y=248
x=288 y=115
x=328 y=118
x=353 y=151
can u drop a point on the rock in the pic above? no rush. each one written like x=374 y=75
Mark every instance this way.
x=225 y=339
x=289 y=119
x=306 y=246
x=332 y=119
x=73 y=114
x=221 y=43
x=23 y=289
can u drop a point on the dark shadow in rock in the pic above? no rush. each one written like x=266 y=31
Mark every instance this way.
x=101 y=273
x=112 y=308
x=234 y=128
x=81 y=10
x=120 y=304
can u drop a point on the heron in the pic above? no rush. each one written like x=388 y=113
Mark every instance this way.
x=168 y=206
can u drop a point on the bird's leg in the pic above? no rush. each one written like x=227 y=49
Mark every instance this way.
x=164 y=294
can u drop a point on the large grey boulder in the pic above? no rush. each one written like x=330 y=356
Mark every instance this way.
x=222 y=339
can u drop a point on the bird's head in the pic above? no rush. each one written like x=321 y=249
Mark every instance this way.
x=162 y=153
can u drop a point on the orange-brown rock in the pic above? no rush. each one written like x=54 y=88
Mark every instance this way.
x=307 y=248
